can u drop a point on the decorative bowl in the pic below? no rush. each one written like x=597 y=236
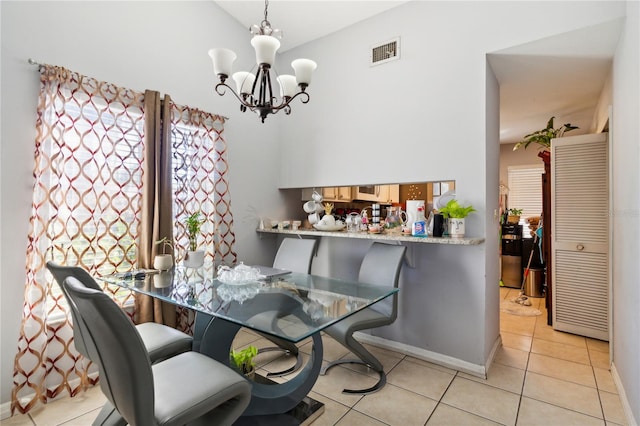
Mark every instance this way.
x=323 y=227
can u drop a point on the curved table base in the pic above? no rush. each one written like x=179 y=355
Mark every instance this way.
x=375 y=388
x=216 y=341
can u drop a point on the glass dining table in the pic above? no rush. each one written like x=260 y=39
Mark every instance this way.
x=290 y=307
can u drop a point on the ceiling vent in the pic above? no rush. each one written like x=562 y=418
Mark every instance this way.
x=386 y=51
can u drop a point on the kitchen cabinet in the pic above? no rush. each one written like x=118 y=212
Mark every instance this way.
x=384 y=194
x=337 y=193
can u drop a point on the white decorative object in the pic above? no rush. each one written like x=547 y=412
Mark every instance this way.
x=240 y=275
x=163 y=262
x=338 y=226
x=194 y=259
x=456 y=227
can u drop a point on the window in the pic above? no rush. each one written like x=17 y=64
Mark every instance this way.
x=525 y=190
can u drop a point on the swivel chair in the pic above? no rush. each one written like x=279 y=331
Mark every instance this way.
x=161 y=341
x=182 y=389
x=380 y=266
x=295 y=255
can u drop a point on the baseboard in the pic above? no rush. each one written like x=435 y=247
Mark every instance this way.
x=494 y=350
x=5 y=409
x=425 y=355
x=626 y=407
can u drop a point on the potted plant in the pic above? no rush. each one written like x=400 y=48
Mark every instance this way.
x=163 y=261
x=543 y=137
x=243 y=360
x=194 y=257
x=455 y=215
x=513 y=216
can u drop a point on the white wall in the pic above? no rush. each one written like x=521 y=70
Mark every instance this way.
x=625 y=211
x=601 y=114
x=141 y=45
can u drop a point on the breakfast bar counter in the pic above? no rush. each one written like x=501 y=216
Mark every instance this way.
x=434 y=317
x=389 y=236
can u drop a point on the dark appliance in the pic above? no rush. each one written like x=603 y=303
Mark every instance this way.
x=512 y=255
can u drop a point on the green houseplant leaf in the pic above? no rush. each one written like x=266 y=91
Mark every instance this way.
x=543 y=137
x=453 y=209
x=193 y=224
x=244 y=358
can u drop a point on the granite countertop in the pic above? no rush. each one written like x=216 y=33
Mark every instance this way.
x=383 y=236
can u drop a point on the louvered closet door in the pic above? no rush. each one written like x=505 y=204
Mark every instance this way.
x=580 y=235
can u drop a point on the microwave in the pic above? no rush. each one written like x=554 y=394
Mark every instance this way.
x=370 y=193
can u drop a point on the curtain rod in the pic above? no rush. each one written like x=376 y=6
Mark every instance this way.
x=34 y=62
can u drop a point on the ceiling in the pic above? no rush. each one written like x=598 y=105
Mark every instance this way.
x=559 y=76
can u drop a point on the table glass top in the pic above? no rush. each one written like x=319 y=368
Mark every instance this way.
x=292 y=306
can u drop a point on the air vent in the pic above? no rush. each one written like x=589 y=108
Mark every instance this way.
x=386 y=51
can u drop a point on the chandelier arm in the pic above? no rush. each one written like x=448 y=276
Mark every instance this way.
x=284 y=105
x=222 y=86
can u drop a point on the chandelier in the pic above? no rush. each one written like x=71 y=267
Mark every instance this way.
x=254 y=91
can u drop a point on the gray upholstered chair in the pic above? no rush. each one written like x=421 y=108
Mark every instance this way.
x=381 y=266
x=161 y=341
x=295 y=255
x=179 y=390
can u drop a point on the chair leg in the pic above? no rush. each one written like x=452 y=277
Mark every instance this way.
x=375 y=388
x=286 y=347
x=289 y=370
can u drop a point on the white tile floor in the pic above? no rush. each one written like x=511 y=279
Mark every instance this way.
x=539 y=377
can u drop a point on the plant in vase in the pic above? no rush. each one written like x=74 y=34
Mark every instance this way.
x=194 y=257
x=513 y=216
x=164 y=261
x=455 y=215
x=244 y=361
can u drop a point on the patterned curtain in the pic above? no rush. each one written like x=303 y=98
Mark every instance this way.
x=85 y=211
x=200 y=182
x=199 y=161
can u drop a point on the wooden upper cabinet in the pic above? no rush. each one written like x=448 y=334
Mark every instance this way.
x=337 y=193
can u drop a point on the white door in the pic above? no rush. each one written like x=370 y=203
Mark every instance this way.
x=580 y=235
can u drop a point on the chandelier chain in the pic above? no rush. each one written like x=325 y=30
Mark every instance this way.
x=266 y=19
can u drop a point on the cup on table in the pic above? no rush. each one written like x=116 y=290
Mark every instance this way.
x=296 y=224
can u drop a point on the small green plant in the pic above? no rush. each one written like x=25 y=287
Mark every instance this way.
x=166 y=242
x=243 y=359
x=543 y=137
x=515 y=212
x=193 y=223
x=453 y=209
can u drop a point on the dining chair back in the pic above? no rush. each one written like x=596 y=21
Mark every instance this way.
x=160 y=341
x=381 y=266
x=295 y=255
x=176 y=391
